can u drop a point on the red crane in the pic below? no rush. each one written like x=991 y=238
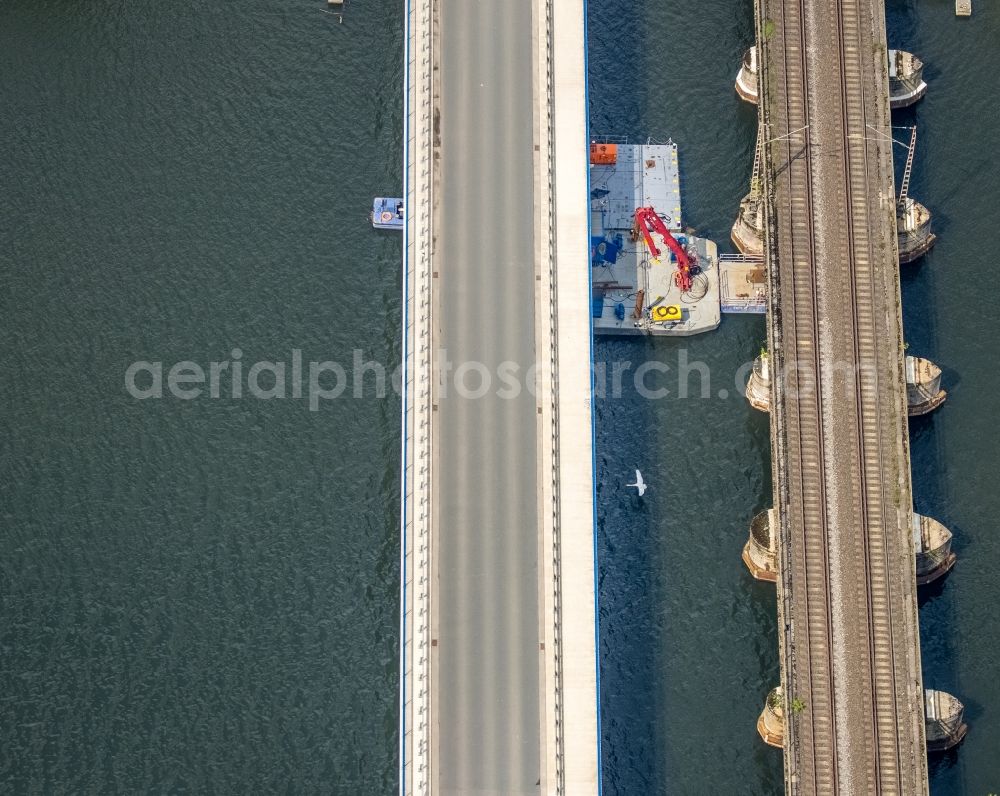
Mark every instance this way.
x=647 y=221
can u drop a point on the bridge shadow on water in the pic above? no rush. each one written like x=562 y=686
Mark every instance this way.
x=688 y=641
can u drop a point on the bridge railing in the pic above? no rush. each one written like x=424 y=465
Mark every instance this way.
x=552 y=411
x=765 y=81
x=415 y=609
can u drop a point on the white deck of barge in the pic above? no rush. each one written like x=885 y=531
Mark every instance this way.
x=646 y=175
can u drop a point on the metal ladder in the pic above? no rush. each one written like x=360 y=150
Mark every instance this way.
x=904 y=188
x=755 y=186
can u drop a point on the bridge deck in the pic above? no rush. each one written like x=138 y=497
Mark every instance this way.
x=847 y=602
x=488 y=712
x=498 y=660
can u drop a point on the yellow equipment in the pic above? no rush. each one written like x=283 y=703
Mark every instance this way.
x=667 y=313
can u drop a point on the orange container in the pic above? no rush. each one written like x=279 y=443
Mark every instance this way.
x=603 y=154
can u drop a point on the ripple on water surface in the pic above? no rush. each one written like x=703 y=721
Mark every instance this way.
x=203 y=594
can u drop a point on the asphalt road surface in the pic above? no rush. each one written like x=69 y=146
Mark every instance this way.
x=487 y=711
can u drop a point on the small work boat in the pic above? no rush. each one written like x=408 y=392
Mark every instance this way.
x=387 y=213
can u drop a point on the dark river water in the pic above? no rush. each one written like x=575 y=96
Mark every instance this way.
x=202 y=595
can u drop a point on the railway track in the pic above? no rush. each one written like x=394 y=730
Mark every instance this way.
x=827 y=225
x=805 y=417
x=876 y=537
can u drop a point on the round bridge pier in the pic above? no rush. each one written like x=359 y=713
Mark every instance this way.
x=913 y=230
x=759 y=386
x=923 y=386
x=933 y=545
x=943 y=720
x=746 y=78
x=760 y=553
x=748 y=231
x=771 y=724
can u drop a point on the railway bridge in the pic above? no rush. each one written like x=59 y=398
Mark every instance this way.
x=851 y=706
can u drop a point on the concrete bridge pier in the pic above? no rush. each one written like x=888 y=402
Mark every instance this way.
x=906 y=85
x=923 y=386
x=746 y=78
x=906 y=82
x=748 y=231
x=933 y=545
x=759 y=387
x=943 y=720
x=760 y=553
x=913 y=230
x=771 y=724
x=932 y=541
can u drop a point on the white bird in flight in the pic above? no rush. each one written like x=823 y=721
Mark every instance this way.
x=639 y=483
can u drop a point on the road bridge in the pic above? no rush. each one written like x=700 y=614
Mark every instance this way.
x=853 y=700
x=498 y=661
